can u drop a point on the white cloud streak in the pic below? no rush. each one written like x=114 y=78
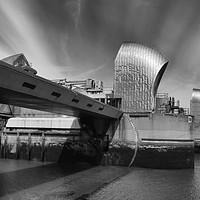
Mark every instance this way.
x=22 y=35
x=89 y=73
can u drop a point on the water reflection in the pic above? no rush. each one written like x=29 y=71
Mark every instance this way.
x=139 y=183
x=27 y=174
x=154 y=184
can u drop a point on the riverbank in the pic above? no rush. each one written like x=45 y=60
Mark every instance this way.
x=27 y=180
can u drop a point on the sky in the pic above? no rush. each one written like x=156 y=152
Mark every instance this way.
x=79 y=39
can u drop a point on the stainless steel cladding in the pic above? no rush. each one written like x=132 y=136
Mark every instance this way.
x=195 y=105
x=138 y=71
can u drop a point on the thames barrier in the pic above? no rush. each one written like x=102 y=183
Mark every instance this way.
x=133 y=125
x=67 y=122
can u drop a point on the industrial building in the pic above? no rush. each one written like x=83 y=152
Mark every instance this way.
x=131 y=125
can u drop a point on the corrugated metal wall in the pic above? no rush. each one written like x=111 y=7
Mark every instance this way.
x=136 y=69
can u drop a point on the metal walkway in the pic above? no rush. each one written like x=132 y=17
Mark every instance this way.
x=25 y=89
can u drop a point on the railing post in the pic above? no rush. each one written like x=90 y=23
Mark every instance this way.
x=18 y=146
x=5 y=145
x=43 y=147
x=29 y=146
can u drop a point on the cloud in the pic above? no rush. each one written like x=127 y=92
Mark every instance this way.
x=74 y=8
x=21 y=33
x=71 y=37
x=89 y=73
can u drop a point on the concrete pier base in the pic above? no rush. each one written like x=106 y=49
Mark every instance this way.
x=119 y=154
x=157 y=156
x=197 y=146
x=165 y=156
x=162 y=141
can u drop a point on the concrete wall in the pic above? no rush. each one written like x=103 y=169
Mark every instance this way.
x=154 y=126
x=162 y=126
x=154 y=141
x=121 y=130
x=197 y=133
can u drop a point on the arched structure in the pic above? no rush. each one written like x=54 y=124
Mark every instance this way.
x=195 y=105
x=138 y=72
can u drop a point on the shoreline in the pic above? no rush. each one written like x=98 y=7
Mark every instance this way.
x=74 y=185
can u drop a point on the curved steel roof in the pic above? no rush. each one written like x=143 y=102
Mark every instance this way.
x=195 y=95
x=195 y=105
x=138 y=72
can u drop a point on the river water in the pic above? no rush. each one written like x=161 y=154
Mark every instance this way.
x=153 y=184
x=24 y=180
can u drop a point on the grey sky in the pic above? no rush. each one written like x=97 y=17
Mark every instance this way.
x=79 y=39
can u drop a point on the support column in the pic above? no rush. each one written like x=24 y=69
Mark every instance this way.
x=3 y=138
